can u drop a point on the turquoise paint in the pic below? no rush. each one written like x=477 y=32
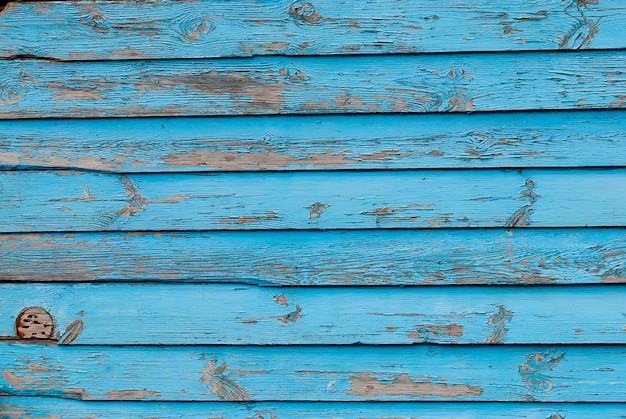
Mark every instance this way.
x=123 y=221
x=221 y=314
x=324 y=142
x=312 y=373
x=102 y=31
x=83 y=201
x=314 y=85
x=73 y=409
x=309 y=258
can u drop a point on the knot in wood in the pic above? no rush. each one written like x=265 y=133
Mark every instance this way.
x=192 y=29
x=304 y=12
x=34 y=323
x=99 y=23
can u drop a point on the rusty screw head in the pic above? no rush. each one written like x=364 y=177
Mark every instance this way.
x=34 y=323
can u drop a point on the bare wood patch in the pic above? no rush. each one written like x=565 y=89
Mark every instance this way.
x=136 y=202
x=534 y=372
x=316 y=209
x=281 y=299
x=131 y=394
x=519 y=217
x=71 y=333
x=220 y=384
x=250 y=219
x=369 y=385
x=498 y=323
x=428 y=332
x=291 y=317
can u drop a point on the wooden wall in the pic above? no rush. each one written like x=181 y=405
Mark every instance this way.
x=225 y=209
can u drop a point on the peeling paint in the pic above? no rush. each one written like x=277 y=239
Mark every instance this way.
x=519 y=217
x=291 y=317
x=372 y=385
x=534 y=372
x=71 y=333
x=131 y=394
x=220 y=384
x=136 y=202
x=498 y=323
x=428 y=333
x=316 y=209
x=281 y=299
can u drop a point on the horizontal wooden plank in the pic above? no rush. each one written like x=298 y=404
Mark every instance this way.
x=318 y=373
x=73 y=409
x=310 y=85
x=82 y=30
x=546 y=139
x=81 y=201
x=200 y=314
x=386 y=257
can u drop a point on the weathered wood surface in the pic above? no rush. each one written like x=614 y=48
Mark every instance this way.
x=20 y=407
x=313 y=85
x=383 y=257
x=219 y=314
x=81 y=30
x=318 y=373
x=81 y=201
x=534 y=139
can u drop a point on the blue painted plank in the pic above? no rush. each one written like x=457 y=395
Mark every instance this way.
x=318 y=373
x=311 y=85
x=546 y=139
x=385 y=257
x=83 y=201
x=131 y=30
x=220 y=314
x=73 y=409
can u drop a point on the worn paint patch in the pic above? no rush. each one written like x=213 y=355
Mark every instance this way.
x=250 y=219
x=291 y=317
x=220 y=385
x=498 y=323
x=371 y=385
x=519 y=217
x=72 y=332
x=533 y=372
x=428 y=333
x=316 y=209
x=136 y=202
x=131 y=394
x=281 y=299
x=40 y=379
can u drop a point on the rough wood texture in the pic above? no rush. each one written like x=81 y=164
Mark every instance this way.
x=311 y=373
x=387 y=257
x=219 y=314
x=19 y=407
x=548 y=139
x=83 y=201
x=313 y=85
x=81 y=30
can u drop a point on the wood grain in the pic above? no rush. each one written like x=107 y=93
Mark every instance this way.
x=82 y=30
x=220 y=314
x=326 y=142
x=313 y=85
x=81 y=201
x=385 y=257
x=73 y=409
x=318 y=373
